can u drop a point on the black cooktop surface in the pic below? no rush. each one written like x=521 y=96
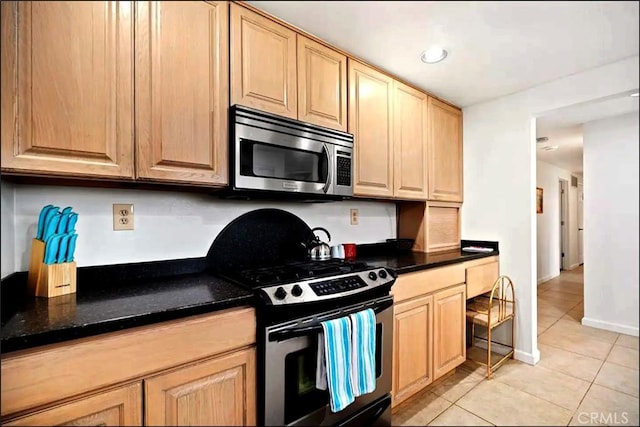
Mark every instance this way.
x=255 y=278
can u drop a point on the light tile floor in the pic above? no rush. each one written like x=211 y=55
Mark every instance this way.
x=585 y=376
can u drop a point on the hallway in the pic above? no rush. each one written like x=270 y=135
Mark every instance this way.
x=585 y=376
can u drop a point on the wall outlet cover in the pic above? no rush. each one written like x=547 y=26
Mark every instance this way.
x=122 y=216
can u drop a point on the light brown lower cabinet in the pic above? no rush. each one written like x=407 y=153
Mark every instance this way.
x=219 y=392
x=118 y=407
x=100 y=380
x=449 y=328
x=429 y=328
x=412 y=360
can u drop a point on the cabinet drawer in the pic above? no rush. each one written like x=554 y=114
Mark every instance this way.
x=423 y=282
x=480 y=278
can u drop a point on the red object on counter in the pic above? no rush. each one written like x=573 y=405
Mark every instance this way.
x=349 y=250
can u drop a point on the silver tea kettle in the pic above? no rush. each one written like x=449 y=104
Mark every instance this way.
x=316 y=248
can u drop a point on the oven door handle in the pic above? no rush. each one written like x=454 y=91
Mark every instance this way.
x=329 y=168
x=301 y=331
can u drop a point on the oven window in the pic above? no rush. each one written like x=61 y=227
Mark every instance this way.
x=301 y=395
x=275 y=161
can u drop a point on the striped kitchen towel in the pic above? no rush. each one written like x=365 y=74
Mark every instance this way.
x=334 y=362
x=363 y=347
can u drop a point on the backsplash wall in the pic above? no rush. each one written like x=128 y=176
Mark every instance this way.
x=171 y=225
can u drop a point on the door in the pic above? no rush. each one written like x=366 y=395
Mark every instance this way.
x=580 y=224
x=263 y=63
x=412 y=344
x=67 y=94
x=410 y=141
x=564 y=246
x=219 y=391
x=322 y=85
x=291 y=360
x=118 y=407
x=445 y=152
x=181 y=91
x=449 y=330
x=371 y=123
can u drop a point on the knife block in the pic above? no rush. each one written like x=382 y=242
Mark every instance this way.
x=49 y=280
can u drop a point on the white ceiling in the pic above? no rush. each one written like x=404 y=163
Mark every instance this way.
x=495 y=48
x=563 y=127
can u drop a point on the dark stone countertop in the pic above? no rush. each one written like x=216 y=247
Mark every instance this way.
x=407 y=261
x=111 y=298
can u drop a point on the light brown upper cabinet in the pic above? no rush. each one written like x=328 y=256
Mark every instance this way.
x=181 y=91
x=410 y=142
x=371 y=123
x=445 y=152
x=263 y=63
x=67 y=88
x=322 y=85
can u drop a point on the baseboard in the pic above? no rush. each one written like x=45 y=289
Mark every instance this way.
x=615 y=327
x=574 y=266
x=547 y=278
x=528 y=358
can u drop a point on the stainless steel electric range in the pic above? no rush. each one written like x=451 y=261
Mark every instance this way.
x=293 y=297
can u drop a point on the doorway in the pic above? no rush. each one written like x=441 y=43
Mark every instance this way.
x=563 y=192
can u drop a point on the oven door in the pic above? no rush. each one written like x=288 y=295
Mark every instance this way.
x=269 y=160
x=290 y=396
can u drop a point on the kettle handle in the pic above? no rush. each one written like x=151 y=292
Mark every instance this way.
x=321 y=229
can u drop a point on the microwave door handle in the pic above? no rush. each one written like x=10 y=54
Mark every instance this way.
x=329 y=168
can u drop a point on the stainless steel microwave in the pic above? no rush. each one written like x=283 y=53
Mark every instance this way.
x=270 y=153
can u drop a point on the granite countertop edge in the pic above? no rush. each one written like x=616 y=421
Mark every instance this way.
x=18 y=334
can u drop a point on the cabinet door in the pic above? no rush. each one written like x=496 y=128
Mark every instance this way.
x=449 y=329
x=118 y=407
x=412 y=340
x=322 y=85
x=181 y=91
x=410 y=142
x=370 y=121
x=218 y=391
x=263 y=63
x=445 y=152
x=67 y=93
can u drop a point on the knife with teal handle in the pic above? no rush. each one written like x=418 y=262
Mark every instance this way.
x=43 y=214
x=51 y=248
x=51 y=212
x=62 y=224
x=51 y=225
x=71 y=224
x=63 y=246
x=71 y=247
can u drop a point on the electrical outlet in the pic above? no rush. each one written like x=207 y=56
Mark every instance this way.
x=354 y=216
x=122 y=217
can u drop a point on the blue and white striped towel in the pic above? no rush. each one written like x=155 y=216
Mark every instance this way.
x=334 y=362
x=363 y=346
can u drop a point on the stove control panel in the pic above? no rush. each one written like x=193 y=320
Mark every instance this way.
x=327 y=287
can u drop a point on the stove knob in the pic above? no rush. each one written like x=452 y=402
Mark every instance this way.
x=373 y=275
x=382 y=274
x=280 y=293
x=296 y=291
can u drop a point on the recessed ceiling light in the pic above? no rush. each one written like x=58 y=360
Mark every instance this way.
x=433 y=55
x=550 y=148
x=634 y=94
